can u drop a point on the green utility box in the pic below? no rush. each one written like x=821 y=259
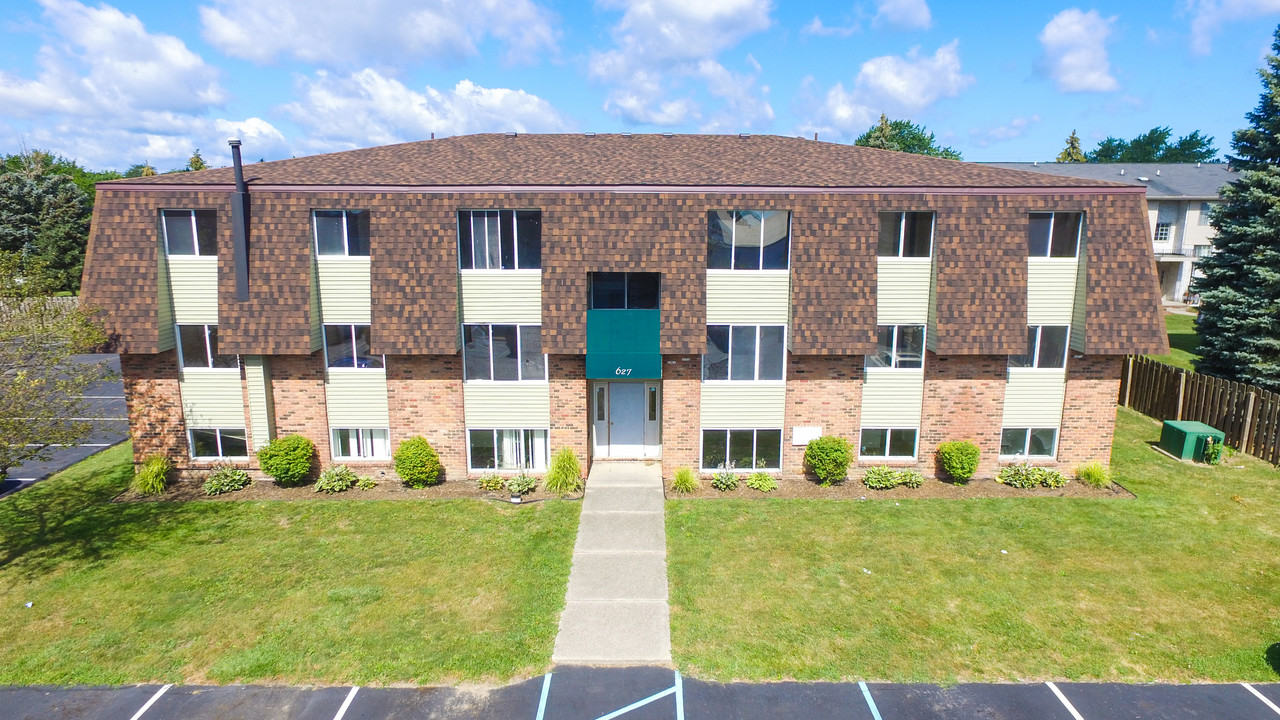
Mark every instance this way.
x=1185 y=439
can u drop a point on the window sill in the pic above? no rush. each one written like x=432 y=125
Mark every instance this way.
x=506 y=382
x=771 y=271
x=212 y=259
x=905 y=260
x=342 y=258
x=354 y=370
x=746 y=383
x=356 y=460
x=210 y=371
x=741 y=471
x=1037 y=371
x=877 y=369
x=507 y=273
x=1030 y=459
x=215 y=458
x=887 y=460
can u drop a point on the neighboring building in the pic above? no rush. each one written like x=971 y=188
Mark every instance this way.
x=699 y=299
x=1179 y=196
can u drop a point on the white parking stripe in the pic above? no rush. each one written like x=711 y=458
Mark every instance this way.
x=151 y=702
x=1261 y=697
x=1070 y=708
x=346 y=703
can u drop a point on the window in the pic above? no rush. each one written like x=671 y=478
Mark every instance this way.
x=744 y=352
x=359 y=444
x=1201 y=250
x=347 y=346
x=905 y=234
x=742 y=449
x=503 y=352
x=888 y=443
x=499 y=239
x=624 y=290
x=1055 y=234
x=1164 y=231
x=748 y=239
x=1205 y=209
x=898 y=346
x=190 y=232
x=1031 y=442
x=198 y=348
x=1046 y=347
x=507 y=449
x=342 y=232
x=218 y=443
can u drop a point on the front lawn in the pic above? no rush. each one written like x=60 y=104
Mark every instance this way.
x=1183 y=341
x=367 y=592
x=1180 y=584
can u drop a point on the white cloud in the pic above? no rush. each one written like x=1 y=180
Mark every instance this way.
x=383 y=32
x=1075 y=52
x=1208 y=16
x=903 y=14
x=816 y=27
x=897 y=86
x=1015 y=128
x=367 y=108
x=660 y=44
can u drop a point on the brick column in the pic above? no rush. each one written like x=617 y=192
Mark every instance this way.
x=681 y=412
x=963 y=400
x=297 y=389
x=822 y=390
x=1089 y=411
x=155 y=407
x=424 y=397
x=570 y=411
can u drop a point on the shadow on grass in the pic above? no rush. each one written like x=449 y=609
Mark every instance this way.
x=1186 y=342
x=1273 y=657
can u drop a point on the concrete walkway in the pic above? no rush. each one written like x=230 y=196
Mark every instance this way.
x=616 y=609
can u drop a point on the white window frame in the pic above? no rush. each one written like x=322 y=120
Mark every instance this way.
x=208 y=353
x=915 y=447
x=346 y=234
x=1164 y=232
x=519 y=354
x=733 y=242
x=359 y=438
x=755 y=445
x=525 y=465
x=902 y=234
x=1205 y=209
x=756 y=371
x=191 y=443
x=515 y=240
x=1075 y=253
x=352 y=337
x=895 y=353
x=1035 y=350
x=195 y=234
x=1026 y=444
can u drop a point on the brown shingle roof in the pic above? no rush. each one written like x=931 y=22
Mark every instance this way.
x=611 y=160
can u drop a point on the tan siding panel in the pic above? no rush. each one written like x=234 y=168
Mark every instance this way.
x=501 y=296
x=903 y=289
x=892 y=398
x=1051 y=290
x=344 y=289
x=211 y=398
x=1033 y=398
x=257 y=375
x=748 y=298
x=1078 y=318
x=507 y=405
x=743 y=405
x=357 y=399
x=193 y=283
x=164 y=306
x=317 y=322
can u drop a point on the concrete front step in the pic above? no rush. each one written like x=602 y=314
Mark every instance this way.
x=623 y=498
x=614 y=633
x=618 y=576
x=624 y=474
x=621 y=532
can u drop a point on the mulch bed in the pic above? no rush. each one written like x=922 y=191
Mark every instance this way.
x=855 y=490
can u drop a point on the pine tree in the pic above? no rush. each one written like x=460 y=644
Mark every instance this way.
x=1072 y=152
x=45 y=218
x=1239 y=322
x=196 y=162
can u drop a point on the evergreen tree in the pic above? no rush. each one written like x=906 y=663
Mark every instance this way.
x=140 y=170
x=903 y=136
x=1239 y=321
x=45 y=218
x=196 y=162
x=1072 y=152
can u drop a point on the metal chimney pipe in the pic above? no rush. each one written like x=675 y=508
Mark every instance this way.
x=240 y=225
x=238 y=165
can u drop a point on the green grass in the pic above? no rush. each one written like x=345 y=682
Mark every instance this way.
x=1182 y=341
x=1180 y=584
x=367 y=592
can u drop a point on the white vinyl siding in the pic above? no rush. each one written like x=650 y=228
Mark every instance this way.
x=344 y=289
x=1033 y=397
x=892 y=398
x=1051 y=290
x=193 y=286
x=740 y=405
x=257 y=375
x=507 y=405
x=501 y=296
x=211 y=398
x=357 y=398
x=164 y=303
x=760 y=298
x=903 y=290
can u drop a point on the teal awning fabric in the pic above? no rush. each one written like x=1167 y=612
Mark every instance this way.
x=623 y=345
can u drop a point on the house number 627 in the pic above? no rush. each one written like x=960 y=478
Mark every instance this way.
x=622 y=371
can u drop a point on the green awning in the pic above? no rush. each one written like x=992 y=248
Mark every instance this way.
x=623 y=345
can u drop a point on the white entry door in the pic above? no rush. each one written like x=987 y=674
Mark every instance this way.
x=626 y=420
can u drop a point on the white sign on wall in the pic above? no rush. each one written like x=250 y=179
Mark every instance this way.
x=802 y=435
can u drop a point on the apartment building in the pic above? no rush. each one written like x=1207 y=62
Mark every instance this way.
x=706 y=301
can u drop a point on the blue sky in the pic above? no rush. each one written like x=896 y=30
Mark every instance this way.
x=112 y=84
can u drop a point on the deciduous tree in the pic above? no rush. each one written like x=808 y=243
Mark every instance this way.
x=903 y=136
x=1153 y=146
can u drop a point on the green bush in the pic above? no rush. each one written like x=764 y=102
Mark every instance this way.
x=520 y=484
x=959 y=459
x=762 y=481
x=1094 y=474
x=829 y=457
x=1027 y=476
x=225 y=479
x=725 y=480
x=685 y=481
x=417 y=463
x=564 y=477
x=1213 y=451
x=336 y=479
x=492 y=482
x=883 y=478
x=366 y=482
x=288 y=460
x=1052 y=478
x=153 y=477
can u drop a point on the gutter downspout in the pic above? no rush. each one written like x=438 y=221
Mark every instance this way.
x=240 y=225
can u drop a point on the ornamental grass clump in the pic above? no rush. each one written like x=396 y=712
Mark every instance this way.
x=564 y=476
x=153 y=476
x=1094 y=474
x=417 y=463
x=829 y=457
x=288 y=460
x=225 y=479
x=685 y=481
x=959 y=459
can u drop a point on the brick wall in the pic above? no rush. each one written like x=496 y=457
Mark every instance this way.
x=155 y=406
x=963 y=400
x=424 y=397
x=297 y=388
x=1089 y=411
x=681 y=412
x=822 y=391
x=570 y=410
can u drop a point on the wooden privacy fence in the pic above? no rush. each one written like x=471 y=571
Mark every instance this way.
x=1249 y=415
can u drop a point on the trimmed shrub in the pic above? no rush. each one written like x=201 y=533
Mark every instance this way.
x=883 y=477
x=564 y=476
x=417 y=463
x=724 y=481
x=829 y=457
x=336 y=479
x=1027 y=476
x=762 y=481
x=520 y=484
x=1094 y=475
x=288 y=460
x=492 y=482
x=225 y=479
x=153 y=476
x=685 y=481
x=366 y=482
x=959 y=459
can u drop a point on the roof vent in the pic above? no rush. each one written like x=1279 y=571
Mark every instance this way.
x=626 y=134
x=744 y=135
x=1197 y=164
x=511 y=133
x=1144 y=178
x=1121 y=171
x=1157 y=172
x=667 y=134
x=588 y=134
